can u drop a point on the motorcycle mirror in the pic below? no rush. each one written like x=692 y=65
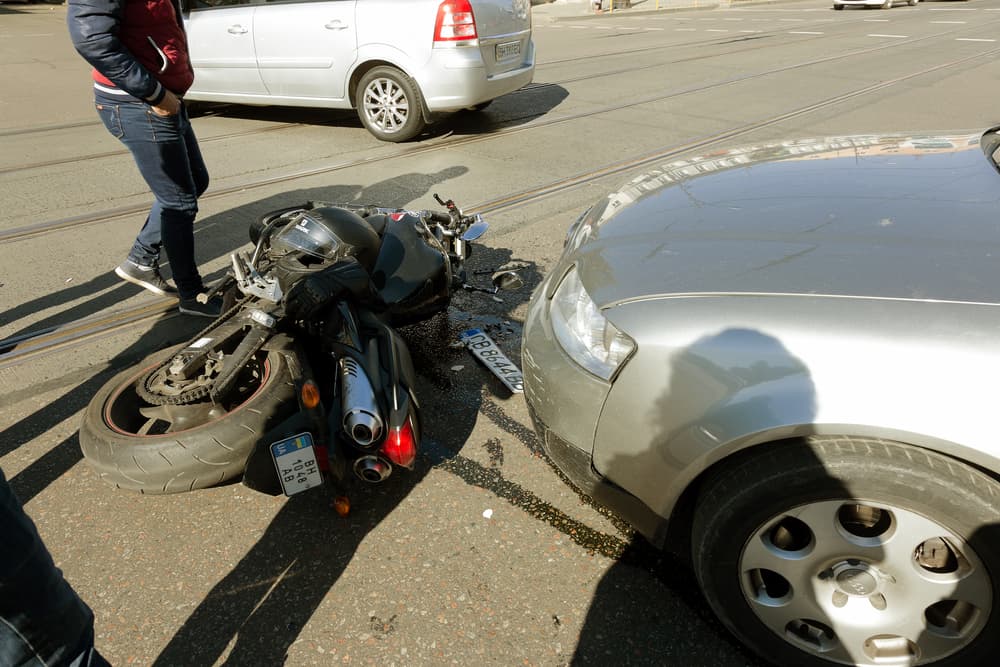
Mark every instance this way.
x=507 y=280
x=475 y=230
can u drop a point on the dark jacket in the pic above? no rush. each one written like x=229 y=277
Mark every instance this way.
x=137 y=47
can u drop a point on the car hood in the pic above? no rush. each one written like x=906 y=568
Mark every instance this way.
x=875 y=216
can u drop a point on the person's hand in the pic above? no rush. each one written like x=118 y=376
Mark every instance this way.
x=170 y=105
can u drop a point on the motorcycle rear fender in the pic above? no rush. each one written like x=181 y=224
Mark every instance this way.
x=260 y=473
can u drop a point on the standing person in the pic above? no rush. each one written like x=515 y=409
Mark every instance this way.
x=42 y=620
x=139 y=53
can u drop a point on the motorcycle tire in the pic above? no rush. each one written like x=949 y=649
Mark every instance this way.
x=196 y=457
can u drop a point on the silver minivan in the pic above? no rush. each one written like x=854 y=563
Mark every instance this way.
x=396 y=61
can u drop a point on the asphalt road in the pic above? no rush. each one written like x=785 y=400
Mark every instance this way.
x=482 y=555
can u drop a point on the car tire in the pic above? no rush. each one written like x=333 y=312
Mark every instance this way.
x=887 y=4
x=838 y=7
x=821 y=552
x=912 y=3
x=390 y=104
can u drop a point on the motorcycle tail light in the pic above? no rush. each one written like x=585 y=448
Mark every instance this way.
x=400 y=445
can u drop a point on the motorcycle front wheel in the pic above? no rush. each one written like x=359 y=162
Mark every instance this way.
x=159 y=449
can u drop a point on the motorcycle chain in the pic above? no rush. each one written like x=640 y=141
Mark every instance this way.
x=146 y=393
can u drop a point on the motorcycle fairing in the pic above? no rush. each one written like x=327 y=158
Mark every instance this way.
x=412 y=274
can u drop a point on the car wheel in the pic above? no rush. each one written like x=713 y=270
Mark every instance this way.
x=848 y=551
x=390 y=105
x=912 y=3
x=838 y=6
x=887 y=4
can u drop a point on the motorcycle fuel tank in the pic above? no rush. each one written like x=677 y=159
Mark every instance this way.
x=412 y=273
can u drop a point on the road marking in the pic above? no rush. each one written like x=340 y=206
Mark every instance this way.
x=955 y=22
x=715 y=30
x=684 y=29
x=876 y=20
x=804 y=32
x=753 y=31
x=970 y=39
x=895 y=36
x=950 y=9
x=798 y=20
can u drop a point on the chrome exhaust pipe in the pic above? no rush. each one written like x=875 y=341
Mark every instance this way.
x=372 y=469
x=362 y=421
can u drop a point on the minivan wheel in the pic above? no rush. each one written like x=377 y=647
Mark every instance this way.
x=390 y=104
x=853 y=552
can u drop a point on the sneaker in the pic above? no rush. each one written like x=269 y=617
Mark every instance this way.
x=146 y=277
x=201 y=305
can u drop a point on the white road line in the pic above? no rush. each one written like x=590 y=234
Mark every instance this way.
x=970 y=39
x=792 y=20
x=950 y=22
x=951 y=9
x=684 y=30
x=804 y=32
x=753 y=31
x=715 y=30
x=876 y=20
x=895 y=36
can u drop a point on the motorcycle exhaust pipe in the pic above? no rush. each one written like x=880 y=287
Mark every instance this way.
x=362 y=421
x=372 y=468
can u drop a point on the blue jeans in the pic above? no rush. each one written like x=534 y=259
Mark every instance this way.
x=167 y=154
x=42 y=620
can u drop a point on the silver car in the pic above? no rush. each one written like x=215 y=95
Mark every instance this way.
x=884 y=4
x=782 y=360
x=396 y=61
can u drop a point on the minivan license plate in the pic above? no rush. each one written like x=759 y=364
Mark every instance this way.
x=508 y=50
x=483 y=347
x=295 y=459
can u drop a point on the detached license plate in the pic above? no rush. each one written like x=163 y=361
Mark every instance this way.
x=484 y=349
x=295 y=460
x=508 y=50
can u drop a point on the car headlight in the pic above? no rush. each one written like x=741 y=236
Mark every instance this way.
x=584 y=333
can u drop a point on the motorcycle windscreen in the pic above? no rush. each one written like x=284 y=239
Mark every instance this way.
x=306 y=234
x=412 y=275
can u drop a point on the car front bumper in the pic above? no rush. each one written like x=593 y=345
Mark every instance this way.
x=565 y=404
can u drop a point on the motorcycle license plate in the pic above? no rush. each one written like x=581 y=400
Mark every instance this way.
x=295 y=459
x=484 y=349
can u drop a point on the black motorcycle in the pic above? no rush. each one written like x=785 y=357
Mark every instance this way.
x=303 y=377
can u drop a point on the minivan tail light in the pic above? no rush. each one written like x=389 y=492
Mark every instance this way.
x=455 y=22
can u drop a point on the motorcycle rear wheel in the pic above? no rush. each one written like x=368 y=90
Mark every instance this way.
x=156 y=449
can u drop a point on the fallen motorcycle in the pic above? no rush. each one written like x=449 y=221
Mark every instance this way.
x=303 y=378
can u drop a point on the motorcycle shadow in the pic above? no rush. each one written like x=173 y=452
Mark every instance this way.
x=258 y=610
